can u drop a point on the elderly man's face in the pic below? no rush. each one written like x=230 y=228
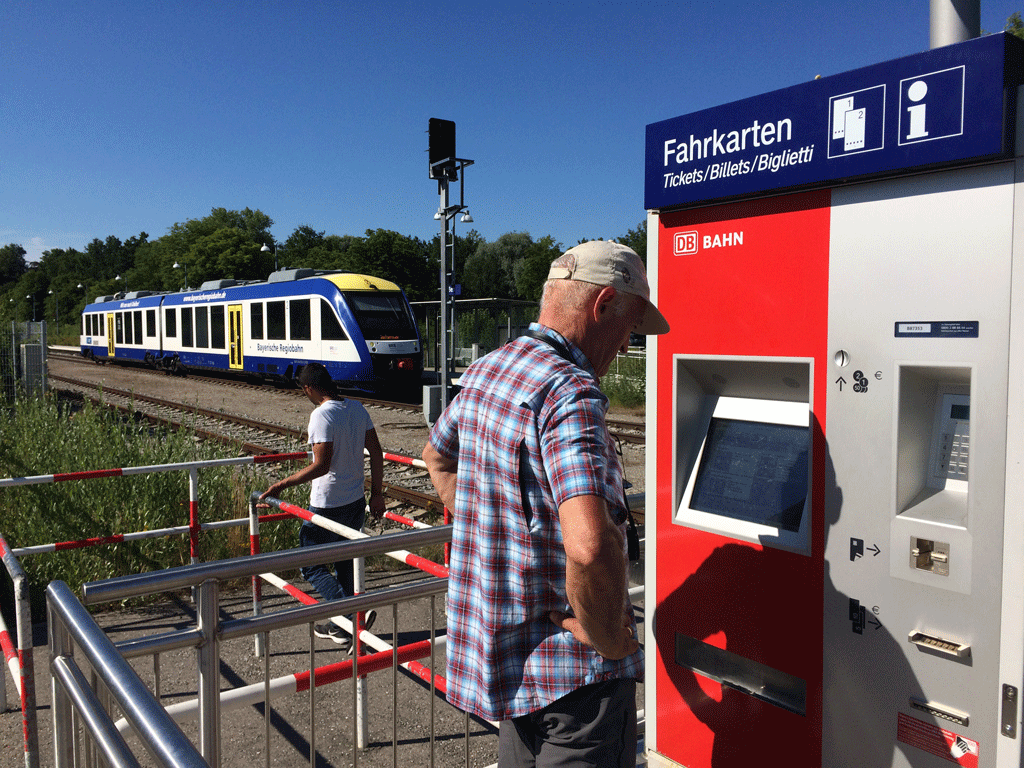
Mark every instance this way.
x=624 y=314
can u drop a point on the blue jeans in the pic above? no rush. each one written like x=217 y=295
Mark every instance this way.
x=329 y=585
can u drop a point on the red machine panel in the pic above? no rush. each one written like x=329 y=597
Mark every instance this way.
x=748 y=278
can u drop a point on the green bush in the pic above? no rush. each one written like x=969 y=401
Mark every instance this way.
x=44 y=436
x=625 y=383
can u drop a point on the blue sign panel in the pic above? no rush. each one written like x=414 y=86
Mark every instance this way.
x=938 y=108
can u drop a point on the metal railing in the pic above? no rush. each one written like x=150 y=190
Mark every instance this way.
x=210 y=630
x=74 y=700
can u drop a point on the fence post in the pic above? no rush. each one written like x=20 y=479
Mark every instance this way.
x=193 y=514
x=208 y=661
x=257 y=581
x=63 y=723
x=26 y=671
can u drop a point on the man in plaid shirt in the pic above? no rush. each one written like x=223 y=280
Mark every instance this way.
x=541 y=635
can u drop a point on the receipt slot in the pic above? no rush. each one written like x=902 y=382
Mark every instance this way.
x=836 y=430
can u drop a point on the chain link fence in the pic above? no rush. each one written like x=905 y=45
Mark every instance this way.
x=480 y=326
x=23 y=360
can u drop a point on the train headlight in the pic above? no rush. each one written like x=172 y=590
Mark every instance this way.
x=405 y=364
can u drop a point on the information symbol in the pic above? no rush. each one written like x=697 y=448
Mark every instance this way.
x=860 y=382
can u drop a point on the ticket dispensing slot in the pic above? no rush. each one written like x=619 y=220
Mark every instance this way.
x=931 y=526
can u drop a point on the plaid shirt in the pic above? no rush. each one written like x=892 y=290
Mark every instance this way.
x=528 y=431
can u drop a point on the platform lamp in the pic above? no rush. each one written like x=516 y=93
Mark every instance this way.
x=32 y=297
x=266 y=249
x=184 y=268
x=56 y=304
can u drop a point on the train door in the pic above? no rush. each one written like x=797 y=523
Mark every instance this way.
x=235 y=341
x=110 y=333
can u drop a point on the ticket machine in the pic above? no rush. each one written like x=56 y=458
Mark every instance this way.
x=836 y=421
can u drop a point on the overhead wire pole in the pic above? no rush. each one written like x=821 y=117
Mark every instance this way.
x=445 y=167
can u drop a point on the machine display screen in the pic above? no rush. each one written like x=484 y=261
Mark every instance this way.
x=753 y=471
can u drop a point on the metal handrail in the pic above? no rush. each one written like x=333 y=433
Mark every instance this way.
x=71 y=626
x=184 y=576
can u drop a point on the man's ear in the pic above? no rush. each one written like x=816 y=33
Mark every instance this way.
x=603 y=302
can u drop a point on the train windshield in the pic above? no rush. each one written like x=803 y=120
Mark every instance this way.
x=382 y=315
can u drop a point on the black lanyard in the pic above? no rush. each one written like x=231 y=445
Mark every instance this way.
x=632 y=536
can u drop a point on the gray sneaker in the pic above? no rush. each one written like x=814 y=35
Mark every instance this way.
x=331 y=631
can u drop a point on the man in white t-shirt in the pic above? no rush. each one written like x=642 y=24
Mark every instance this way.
x=339 y=430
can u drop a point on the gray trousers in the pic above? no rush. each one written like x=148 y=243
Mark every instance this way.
x=593 y=726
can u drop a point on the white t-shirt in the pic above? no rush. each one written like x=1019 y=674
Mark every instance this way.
x=345 y=424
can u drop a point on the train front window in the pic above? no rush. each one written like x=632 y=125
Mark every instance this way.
x=330 y=328
x=382 y=315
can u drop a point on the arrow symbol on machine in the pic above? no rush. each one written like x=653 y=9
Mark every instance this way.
x=840 y=381
x=874 y=548
x=876 y=622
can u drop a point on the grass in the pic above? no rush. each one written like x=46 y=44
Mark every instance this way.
x=46 y=435
x=625 y=383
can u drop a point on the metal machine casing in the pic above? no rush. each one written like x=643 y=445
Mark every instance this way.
x=874 y=283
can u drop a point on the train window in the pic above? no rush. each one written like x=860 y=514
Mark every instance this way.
x=256 y=320
x=382 y=315
x=118 y=328
x=170 y=323
x=275 y=320
x=186 y=327
x=298 y=313
x=202 y=327
x=138 y=326
x=128 y=339
x=330 y=328
x=151 y=322
x=217 y=327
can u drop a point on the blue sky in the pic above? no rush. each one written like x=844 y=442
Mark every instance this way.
x=123 y=117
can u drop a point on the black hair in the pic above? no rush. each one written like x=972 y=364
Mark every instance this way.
x=315 y=375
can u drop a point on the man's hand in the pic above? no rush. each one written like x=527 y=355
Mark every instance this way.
x=377 y=505
x=274 y=490
x=622 y=646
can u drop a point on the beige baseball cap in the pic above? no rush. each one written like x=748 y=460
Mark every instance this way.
x=605 y=262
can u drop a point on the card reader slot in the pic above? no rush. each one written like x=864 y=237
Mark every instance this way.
x=940 y=645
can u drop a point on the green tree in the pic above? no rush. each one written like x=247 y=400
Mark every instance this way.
x=299 y=245
x=490 y=271
x=532 y=270
x=636 y=239
x=12 y=263
x=1014 y=25
x=193 y=244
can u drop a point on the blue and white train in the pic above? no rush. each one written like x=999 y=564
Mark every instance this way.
x=360 y=327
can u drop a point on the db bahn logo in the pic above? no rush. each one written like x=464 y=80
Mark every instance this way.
x=685 y=243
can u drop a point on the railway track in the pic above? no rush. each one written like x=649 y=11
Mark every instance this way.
x=406 y=484
x=624 y=430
